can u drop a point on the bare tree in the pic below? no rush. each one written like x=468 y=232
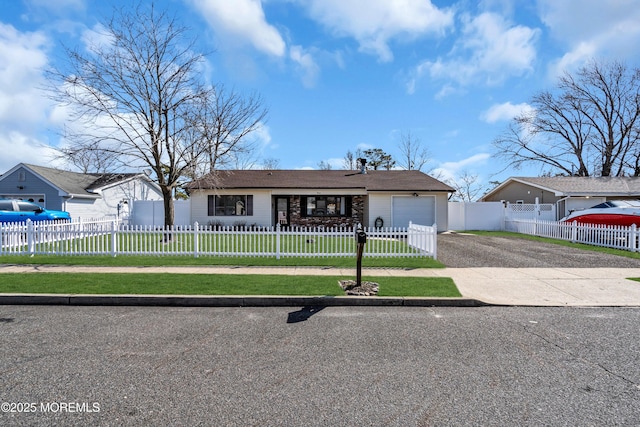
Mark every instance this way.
x=87 y=160
x=412 y=155
x=528 y=139
x=467 y=187
x=221 y=124
x=270 y=164
x=350 y=160
x=138 y=94
x=590 y=127
x=325 y=166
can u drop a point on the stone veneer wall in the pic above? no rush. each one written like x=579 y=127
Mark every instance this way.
x=357 y=215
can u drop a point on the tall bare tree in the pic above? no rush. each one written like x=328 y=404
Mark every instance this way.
x=87 y=160
x=137 y=93
x=590 y=126
x=271 y=163
x=222 y=124
x=350 y=160
x=467 y=187
x=324 y=166
x=413 y=156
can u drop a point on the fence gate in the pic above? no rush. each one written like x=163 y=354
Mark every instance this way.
x=539 y=211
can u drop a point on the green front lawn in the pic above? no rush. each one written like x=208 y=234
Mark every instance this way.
x=215 y=284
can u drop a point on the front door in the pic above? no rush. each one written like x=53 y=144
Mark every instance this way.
x=282 y=211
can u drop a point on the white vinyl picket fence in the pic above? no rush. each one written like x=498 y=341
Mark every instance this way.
x=611 y=236
x=110 y=237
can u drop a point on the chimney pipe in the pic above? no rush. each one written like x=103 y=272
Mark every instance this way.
x=363 y=166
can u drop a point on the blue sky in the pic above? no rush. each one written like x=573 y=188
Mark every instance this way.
x=338 y=75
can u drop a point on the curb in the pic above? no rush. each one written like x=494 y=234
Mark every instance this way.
x=232 y=301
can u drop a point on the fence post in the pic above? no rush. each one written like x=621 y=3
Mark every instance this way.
x=278 y=241
x=413 y=239
x=574 y=231
x=196 y=243
x=633 y=237
x=433 y=238
x=30 y=237
x=114 y=238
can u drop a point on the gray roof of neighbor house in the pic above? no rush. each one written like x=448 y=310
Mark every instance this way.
x=394 y=180
x=78 y=184
x=584 y=186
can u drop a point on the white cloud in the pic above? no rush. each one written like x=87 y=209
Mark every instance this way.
x=490 y=50
x=306 y=65
x=591 y=28
x=504 y=112
x=23 y=105
x=244 y=21
x=96 y=37
x=42 y=9
x=450 y=170
x=577 y=20
x=335 y=163
x=374 y=23
x=262 y=135
x=465 y=163
x=17 y=147
x=23 y=57
x=57 y=5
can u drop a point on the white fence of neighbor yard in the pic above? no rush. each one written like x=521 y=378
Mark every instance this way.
x=151 y=212
x=540 y=220
x=611 y=236
x=111 y=237
x=491 y=216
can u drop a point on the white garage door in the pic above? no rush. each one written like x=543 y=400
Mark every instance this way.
x=419 y=210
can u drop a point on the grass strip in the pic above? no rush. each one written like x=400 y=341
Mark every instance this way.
x=158 y=261
x=215 y=284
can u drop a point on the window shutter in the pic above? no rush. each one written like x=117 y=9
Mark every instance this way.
x=210 y=206
x=348 y=202
x=250 y=205
x=303 y=206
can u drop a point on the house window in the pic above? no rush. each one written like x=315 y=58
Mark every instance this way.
x=326 y=206
x=230 y=205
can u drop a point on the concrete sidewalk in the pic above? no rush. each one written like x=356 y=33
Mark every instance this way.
x=478 y=286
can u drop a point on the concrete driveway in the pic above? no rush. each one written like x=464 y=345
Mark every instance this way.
x=516 y=271
x=464 y=250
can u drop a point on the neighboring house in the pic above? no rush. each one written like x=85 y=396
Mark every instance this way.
x=568 y=193
x=83 y=195
x=319 y=197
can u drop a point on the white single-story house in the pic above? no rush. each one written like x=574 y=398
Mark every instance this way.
x=319 y=197
x=83 y=195
x=568 y=193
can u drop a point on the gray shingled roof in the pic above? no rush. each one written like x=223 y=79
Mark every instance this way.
x=393 y=180
x=587 y=186
x=78 y=184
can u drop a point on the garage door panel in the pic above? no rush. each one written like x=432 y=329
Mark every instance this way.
x=419 y=210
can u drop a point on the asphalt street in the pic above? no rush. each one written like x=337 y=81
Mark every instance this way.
x=338 y=366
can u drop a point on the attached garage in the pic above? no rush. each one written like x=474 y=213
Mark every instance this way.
x=418 y=210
